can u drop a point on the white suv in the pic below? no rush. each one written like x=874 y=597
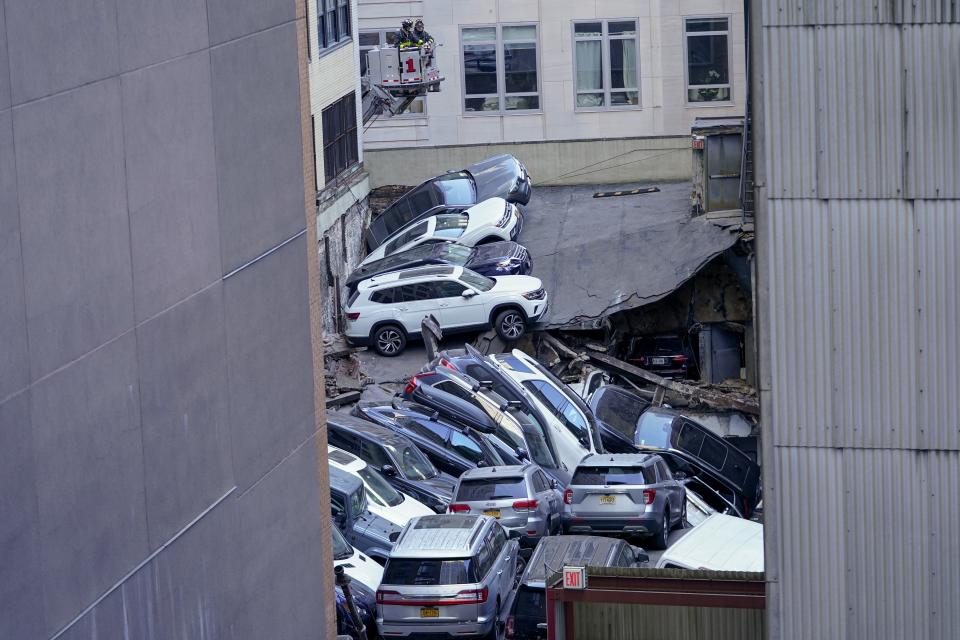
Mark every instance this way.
x=386 y=310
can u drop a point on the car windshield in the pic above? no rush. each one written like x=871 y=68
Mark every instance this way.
x=531 y=603
x=378 y=489
x=611 y=476
x=413 y=464
x=653 y=430
x=405 y=237
x=456 y=254
x=341 y=548
x=456 y=188
x=451 y=225
x=492 y=489
x=429 y=572
x=535 y=438
x=477 y=281
x=358 y=501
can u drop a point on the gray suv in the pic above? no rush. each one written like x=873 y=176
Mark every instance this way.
x=626 y=493
x=521 y=497
x=447 y=574
x=364 y=530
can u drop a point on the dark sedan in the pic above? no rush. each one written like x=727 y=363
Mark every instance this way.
x=393 y=455
x=493 y=259
x=500 y=176
x=451 y=448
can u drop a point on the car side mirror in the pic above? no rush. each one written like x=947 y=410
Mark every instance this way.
x=513 y=534
x=521 y=454
x=554 y=484
x=388 y=470
x=642 y=556
x=393 y=536
x=468 y=293
x=481 y=463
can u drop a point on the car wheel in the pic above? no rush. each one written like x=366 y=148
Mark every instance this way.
x=510 y=325
x=660 y=539
x=682 y=522
x=389 y=340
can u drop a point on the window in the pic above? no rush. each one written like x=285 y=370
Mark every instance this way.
x=334 y=22
x=341 y=440
x=708 y=60
x=564 y=411
x=665 y=475
x=500 y=69
x=340 y=137
x=467 y=448
x=430 y=572
x=449 y=289
x=492 y=489
x=383 y=38
x=374 y=455
x=404 y=238
x=612 y=476
x=606 y=59
x=432 y=431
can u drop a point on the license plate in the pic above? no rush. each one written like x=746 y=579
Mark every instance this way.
x=494 y=513
x=608 y=499
x=658 y=361
x=429 y=612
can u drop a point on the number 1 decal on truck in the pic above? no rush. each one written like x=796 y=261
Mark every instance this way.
x=410 y=67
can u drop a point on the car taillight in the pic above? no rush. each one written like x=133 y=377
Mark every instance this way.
x=649 y=495
x=679 y=358
x=446 y=363
x=383 y=597
x=459 y=508
x=473 y=595
x=509 y=632
x=353 y=315
x=412 y=385
x=568 y=496
x=525 y=505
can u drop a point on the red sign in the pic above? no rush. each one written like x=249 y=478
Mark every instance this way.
x=574 y=578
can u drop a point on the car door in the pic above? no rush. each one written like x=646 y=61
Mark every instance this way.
x=456 y=311
x=506 y=560
x=415 y=302
x=436 y=434
x=466 y=448
x=546 y=494
x=673 y=487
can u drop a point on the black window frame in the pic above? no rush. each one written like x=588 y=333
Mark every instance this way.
x=341 y=150
x=334 y=23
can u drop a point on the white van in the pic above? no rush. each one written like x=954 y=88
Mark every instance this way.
x=382 y=499
x=719 y=543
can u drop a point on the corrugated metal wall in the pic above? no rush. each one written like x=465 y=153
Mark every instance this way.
x=858 y=136
x=603 y=621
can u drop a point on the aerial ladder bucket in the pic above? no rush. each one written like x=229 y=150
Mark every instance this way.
x=396 y=77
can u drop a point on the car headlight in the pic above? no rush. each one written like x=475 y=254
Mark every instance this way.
x=539 y=294
x=506 y=265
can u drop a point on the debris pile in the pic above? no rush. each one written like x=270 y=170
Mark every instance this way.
x=343 y=378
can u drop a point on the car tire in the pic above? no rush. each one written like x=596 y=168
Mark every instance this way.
x=510 y=325
x=660 y=538
x=682 y=521
x=389 y=340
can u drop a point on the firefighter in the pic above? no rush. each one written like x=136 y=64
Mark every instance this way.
x=420 y=35
x=405 y=36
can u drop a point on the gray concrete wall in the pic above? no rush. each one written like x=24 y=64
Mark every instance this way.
x=567 y=162
x=158 y=433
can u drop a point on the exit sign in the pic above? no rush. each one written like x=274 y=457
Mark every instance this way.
x=574 y=577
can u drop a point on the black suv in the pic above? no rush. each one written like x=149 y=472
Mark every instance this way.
x=451 y=448
x=395 y=456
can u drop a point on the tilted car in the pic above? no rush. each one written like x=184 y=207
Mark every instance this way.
x=396 y=457
x=447 y=574
x=520 y=497
x=359 y=567
x=626 y=494
x=452 y=448
x=387 y=311
x=493 y=259
x=528 y=615
x=669 y=355
x=507 y=427
x=498 y=176
x=492 y=220
x=348 y=505
x=719 y=543
x=382 y=498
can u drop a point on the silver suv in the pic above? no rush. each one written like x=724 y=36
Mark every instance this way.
x=627 y=493
x=447 y=574
x=521 y=497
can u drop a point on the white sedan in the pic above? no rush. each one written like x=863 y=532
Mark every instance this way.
x=490 y=221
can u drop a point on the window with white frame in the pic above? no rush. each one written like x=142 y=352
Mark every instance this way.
x=708 y=59
x=500 y=68
x=333 y=23
x=606 y=60
x=380 y=38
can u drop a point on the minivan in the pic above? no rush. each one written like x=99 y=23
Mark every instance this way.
x=447 y=574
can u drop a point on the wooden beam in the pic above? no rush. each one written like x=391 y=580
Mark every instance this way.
x=714 y=399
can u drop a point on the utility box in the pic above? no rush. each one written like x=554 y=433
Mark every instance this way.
x=717 y=162
x=400 y=71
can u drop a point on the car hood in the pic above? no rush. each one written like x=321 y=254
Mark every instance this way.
x=485 y=214
x=490 y=254
x=519 y=284
x=363 y=569
x=375 y=528
x=495 y=176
